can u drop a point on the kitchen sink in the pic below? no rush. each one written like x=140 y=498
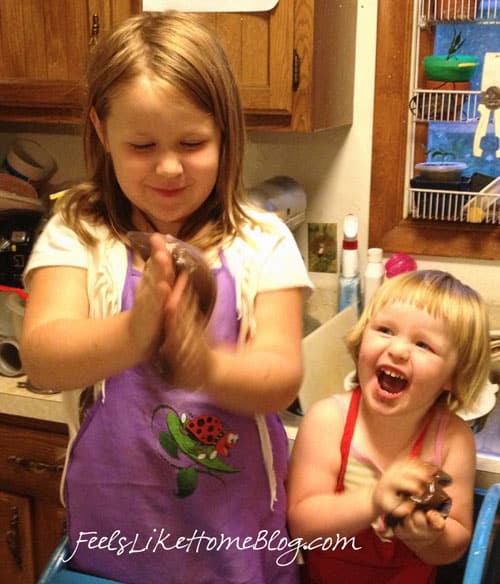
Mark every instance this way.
x=488 y=449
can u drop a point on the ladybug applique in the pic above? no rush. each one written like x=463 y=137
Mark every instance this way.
x=208 y=430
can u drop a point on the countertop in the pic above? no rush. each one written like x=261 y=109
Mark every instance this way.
x=17 y=401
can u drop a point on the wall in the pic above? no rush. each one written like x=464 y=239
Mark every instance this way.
x=333 y=167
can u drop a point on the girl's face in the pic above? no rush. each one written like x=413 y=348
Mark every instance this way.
x=165 y=152
x=406 y=359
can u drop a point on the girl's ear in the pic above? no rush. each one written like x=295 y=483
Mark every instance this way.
x=96 y=122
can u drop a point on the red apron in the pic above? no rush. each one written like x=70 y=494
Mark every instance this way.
x=378 y=562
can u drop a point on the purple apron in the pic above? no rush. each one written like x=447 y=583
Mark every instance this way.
x=165 y=487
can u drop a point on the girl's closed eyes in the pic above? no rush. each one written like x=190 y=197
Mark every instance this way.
x=140 y=147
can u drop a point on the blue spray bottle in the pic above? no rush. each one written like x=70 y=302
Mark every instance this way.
x=349 y=281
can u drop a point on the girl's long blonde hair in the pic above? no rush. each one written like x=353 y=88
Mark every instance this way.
x=175 y=49
x=465 y=314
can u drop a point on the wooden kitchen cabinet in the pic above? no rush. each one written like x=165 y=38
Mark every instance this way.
x=44 y=47
x=16 y=550
x=294 y=63
x=32 y=519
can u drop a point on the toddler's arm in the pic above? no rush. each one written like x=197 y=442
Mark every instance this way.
x=315 y=510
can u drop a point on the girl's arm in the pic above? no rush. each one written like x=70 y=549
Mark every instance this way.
x=262 y=376
x=61 y=348
x=447 y=542
x=314 y=509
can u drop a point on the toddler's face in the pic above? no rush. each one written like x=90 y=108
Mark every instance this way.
x=406 y=360
x=165 y=151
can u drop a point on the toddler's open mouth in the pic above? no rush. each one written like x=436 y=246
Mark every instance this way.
x=391 y=382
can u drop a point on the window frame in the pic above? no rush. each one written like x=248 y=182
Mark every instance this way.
x=388 y=229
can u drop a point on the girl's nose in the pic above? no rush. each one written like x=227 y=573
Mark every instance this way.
x=169 y=164
x=399 y=349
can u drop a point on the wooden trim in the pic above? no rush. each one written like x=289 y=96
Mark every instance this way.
x=387 y=228
x=34 y=424
x=31 y=93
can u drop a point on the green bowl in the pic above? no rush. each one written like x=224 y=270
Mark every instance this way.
x=457 y=68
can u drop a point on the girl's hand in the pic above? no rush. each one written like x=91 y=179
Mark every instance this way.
x=421 y=528
x=403 y=478
x=185 y=358
x=148 y=312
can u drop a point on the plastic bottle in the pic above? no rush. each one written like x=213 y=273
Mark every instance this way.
x=374 y=273
x=349 y=283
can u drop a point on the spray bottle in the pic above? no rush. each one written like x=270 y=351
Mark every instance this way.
x=349 y=282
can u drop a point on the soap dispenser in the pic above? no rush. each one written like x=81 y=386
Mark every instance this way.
x=349 y=281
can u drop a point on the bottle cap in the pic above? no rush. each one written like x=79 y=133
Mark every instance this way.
x=350 y=227
x=375 y=254
x=398 y=264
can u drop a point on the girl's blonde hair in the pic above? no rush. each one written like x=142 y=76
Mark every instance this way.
x=175 y=49
x=463 y=310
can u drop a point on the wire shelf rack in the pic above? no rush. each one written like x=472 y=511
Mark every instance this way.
x=445 y=105
x=448 y=102
x=456 y=206
x=482 y=11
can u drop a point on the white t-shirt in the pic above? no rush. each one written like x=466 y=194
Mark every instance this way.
x=266 y=260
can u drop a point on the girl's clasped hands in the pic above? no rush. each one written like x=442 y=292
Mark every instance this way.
x=165 y=321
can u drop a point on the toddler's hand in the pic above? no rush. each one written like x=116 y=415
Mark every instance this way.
x=421 y=528
x=398 y=482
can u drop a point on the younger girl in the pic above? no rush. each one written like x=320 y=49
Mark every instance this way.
x=422 y=349
x=168 y=483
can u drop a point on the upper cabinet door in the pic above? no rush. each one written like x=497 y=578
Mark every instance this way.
x=44 y=47
x=260 y=48
x=40 y=40
x=294 y=63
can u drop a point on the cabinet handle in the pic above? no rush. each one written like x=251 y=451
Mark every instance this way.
x=296 y=70
x=94 y=30
x=12 y=538
x=34 y=465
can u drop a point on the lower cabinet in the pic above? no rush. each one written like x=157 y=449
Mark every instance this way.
x=32 y=519
x=16 y=550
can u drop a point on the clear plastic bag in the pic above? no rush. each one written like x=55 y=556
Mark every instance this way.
x=186 y=258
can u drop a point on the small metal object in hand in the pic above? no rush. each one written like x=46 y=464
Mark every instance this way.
x=434 y=497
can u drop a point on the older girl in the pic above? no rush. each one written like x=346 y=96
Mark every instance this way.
x=164 y=483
